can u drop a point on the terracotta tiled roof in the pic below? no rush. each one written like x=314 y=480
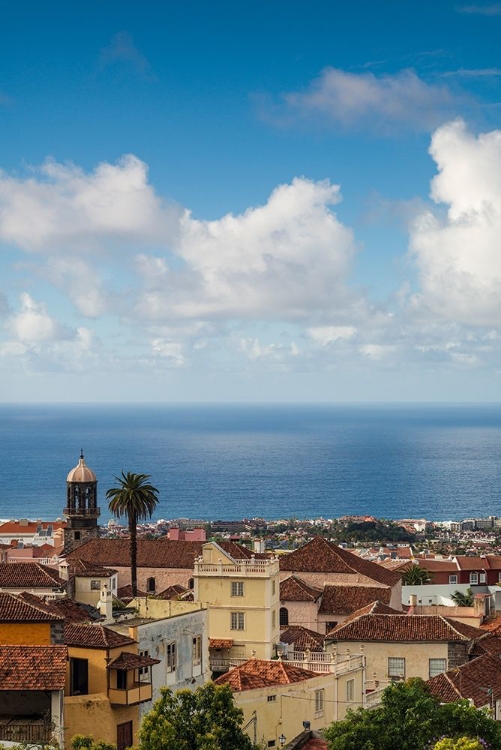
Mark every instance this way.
x=29 y=575
x=85 y=569
x=321 y=556
x=294 y=589
x=409 y=628
x=375 y=608
x=494 y=626
x=316 y=744
x=151 y=553
x=472 y=680
x=14 y=527
x=220 y=642
x=64 y=608
x=132 y=661
x=172 y=592
x=125 y=592
x=344 y=600
x=303 y=638
x=259 y=673
x=94 y=636
x=33 y=667
x=437 y=566
x=465 y=562
x=16 y=609
x=489 y=644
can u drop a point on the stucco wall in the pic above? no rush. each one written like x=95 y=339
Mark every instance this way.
x=93 y=714
x=25 y=634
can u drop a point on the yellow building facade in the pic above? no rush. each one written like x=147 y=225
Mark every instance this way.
x=243 y=601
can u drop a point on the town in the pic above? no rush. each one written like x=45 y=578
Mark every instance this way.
x=305 y=621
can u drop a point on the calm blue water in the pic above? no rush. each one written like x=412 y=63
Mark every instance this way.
x=272 y=461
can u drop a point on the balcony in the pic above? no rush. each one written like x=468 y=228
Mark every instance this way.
x=241 y=569
x=138 y=692
x=82 y=512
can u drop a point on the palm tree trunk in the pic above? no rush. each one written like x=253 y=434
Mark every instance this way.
x=133 y=552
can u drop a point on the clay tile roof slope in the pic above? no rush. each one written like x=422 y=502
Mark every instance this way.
x=171 y=592
x=94 y=636
x=344 y=600
x=125 y=592
x=29 y=575
x=321 y=556
x=471 y=680
x=63 y=608
x=465 y=562
x=294 y=589
x=220 y=643
x=151 y=553
x=14 y=527
x=33 y=667
x=16 y=609
x=303 y=638
x=132 y=661
x=408 y=628
x=437 y=566
x=489 y=644
x=259 y=673
x=86 y=569
x=375 y=608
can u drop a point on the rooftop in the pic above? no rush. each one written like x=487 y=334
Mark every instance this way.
x=259 y=673
x=16 y=609
x=94 y=636
x=29 y=575
x=33 y=667
x=294 y=589
x=345 y=599
x=407 y=628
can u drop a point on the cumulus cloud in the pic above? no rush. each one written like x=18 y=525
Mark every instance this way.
x=368 y=101
x=325 y=335
x=60 y=207
x=493 y=9
x=280 y=260
x=458 y=254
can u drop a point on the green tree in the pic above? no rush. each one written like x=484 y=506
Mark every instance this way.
x=414 y=575
x=461 y=743
x=411 y=718
x=136 y=499
x=461 y=599
x=204 y=719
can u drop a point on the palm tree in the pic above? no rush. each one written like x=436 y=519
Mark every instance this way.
x=137 y=499
x=415 y=576
x=461 y=599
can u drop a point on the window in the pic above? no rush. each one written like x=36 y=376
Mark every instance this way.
x=482 y=577
x=95 y=585
x=271 y=698
x=396 y=668
x=284 y=616
x=237 y=621
x=77 y=536
x=272 y=743
x=151 y=585
x=273 y=619
x=79 y=677
x=499 y=577
x=171 y=657
x=144 y=671
x=191 y=583
x=121 y=679
x=350 y=691
x=237 y=588
x=453 y=579
x=197 y=650
x=319 y=702
x=474 y=578
x=437 y=666
x=330 y=625
x=273 y=587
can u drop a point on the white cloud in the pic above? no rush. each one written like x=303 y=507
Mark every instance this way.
x=325 y=335
x=377 y=351
x=494 y=9
x=32 y=323
x=254 y=349
x=280 y=260
x=169 y=350
x=458 y=255
x=384 y=102
x=60 y=207
x=122 y=49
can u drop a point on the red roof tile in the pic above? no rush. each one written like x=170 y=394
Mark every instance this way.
x=151 y=553
x=409 y=628
x=259 y=673
x=303 y=639
x=94 y=636
x=29 y=575
x=16 y=609
x=125 y=592
x=321 y=556
x=33 y=667
x=294 y=589
x=218 y=643
x=132 y=661
x=344 y=600
x=472 y=680
x=172 y=592
x=14 y=527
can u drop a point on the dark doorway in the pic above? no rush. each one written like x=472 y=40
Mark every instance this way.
x=79 y=676
x=124 y=735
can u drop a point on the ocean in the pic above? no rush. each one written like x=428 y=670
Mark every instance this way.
x=274 y=461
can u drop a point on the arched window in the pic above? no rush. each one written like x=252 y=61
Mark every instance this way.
x=191 y=583
x=284 y=616
x=151 y=585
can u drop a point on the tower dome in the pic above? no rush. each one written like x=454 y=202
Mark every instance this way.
x=81 y=472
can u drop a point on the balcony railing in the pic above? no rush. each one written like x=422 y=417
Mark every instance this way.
x=138 y=693
x=87 y=512
x=374 y=698
x=30 y=733
x=327 y=666
x=250 y=567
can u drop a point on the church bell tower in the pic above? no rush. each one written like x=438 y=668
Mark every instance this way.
x=81 y=506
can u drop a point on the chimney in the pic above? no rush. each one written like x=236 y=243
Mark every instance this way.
x=105 y=605
x=412 y=604
x=63 y=570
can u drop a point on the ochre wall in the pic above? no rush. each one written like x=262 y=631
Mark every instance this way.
x=25 y=633
x=93 y=714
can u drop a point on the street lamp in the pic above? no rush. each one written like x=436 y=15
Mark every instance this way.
x=282 y=739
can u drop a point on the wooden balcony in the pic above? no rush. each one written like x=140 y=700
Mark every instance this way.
x=29 y=732
x=139 y=692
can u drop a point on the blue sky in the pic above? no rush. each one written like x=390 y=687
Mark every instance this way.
x=260 y=201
